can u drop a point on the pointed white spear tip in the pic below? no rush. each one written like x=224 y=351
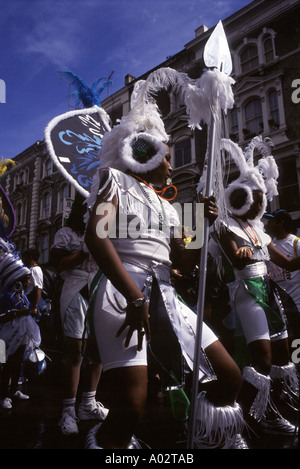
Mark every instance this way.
x=216 y=51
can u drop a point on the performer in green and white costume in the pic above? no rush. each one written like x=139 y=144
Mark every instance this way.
x=134 y=297
x=258 y=309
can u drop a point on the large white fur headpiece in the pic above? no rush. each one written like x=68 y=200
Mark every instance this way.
x=137 y=143
x=262 y=177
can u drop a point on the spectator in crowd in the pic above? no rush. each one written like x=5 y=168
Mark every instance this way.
x=77 y=269
x=34 y=292
x=281 y=226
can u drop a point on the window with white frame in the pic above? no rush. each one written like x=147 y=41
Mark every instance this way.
x=249 y=58
x=183 y=153
x=20 y=212
x=253 y=52
x=253 y=118
x=47 y=168
x=23 y=177
x=63 y=194
x=268 y=48
x=45 y=206
x=273 y=109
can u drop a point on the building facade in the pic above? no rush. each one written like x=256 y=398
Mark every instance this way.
x=39 y=195
x=264 y=39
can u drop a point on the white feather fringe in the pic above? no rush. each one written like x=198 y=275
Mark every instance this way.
x=288 y=374
x=217 y=427
x=209 y=94
x=263 y=384
x=205 y=100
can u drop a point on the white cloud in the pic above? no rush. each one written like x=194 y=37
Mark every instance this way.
x=53 y=37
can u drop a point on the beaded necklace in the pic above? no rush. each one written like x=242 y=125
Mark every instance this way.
x=161 y=214
x=251 y=234
x=161 y=192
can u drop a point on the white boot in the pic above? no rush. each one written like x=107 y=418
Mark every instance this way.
x=218 y=427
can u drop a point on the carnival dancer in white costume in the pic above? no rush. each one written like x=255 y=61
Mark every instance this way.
x=135 y=306
x=258 y=309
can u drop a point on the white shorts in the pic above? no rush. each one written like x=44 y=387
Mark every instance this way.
x=109 y=317
x=74 y=316
x=252 y=317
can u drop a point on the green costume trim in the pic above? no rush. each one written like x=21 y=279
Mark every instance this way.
x=257 y=289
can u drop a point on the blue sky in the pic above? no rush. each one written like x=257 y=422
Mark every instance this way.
x=92 y=38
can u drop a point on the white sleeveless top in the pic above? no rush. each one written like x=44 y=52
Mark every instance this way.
x=145 y=222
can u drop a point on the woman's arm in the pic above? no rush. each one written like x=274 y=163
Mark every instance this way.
x=282 y=260
x=37 y=296
x=239 y=257
x=107 y=258
x=185 y=259
x=66 y=260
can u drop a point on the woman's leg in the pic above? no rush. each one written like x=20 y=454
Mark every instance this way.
x=280 y=352
x=72 y=360
x=128 y=394
x=15 y=368
x=285 y=380
x=219 y=419
x=70 y=380
x=4 y=382
x=223 y=391
x=89 y=408
x=261 y=355
x=256 y=393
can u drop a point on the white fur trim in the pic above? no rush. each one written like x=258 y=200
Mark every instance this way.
x=105 y=120
x=262 y=177
x=249 y=199
x=217 y=427
x=263 y=384
x=288 y=374
x=126 y=154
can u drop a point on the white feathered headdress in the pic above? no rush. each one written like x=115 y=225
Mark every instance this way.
x=137 y=143
x=262 y=176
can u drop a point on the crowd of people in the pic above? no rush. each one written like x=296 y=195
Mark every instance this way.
x=118 y=302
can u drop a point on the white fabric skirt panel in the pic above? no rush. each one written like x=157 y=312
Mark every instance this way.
x=164 y=307
x=74 y=316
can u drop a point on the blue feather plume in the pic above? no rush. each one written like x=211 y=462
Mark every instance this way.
x=88 y=95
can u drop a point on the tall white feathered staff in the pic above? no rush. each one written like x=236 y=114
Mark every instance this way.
x=206 y=100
